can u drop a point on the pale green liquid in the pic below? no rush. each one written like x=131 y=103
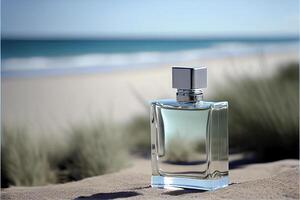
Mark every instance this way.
x=192 y=142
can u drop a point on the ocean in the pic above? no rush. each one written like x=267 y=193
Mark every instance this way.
x=56 y=57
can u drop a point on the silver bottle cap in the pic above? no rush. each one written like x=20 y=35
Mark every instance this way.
x=189 y=77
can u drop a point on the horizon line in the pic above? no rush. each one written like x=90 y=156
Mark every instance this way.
x=154 y=37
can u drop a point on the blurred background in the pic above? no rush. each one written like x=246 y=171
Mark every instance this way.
x=77 y=78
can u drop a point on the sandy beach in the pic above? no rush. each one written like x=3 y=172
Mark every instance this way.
x=53 y=103
x=276 y=180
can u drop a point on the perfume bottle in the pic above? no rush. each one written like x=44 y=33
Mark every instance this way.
x=189 y=136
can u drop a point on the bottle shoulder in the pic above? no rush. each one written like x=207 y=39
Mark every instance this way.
x=173 y=104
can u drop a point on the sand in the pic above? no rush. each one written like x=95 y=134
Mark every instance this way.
x=53 y=104
x=276 y=180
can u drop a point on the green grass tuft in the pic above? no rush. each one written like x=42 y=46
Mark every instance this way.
x=88 y=150
x=24 y=160
x=138 y=136
x=94 y=150
x=264 y=114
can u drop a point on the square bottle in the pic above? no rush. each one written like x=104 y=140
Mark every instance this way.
x=189 y=136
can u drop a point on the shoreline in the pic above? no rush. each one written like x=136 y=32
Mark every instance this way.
x=68 y=65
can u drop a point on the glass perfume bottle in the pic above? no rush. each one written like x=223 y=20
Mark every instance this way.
x=189 y=136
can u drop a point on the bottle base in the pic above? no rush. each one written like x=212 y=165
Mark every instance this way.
x=189 y=183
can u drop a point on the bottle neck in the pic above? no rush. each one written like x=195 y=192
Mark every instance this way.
x=189 y=95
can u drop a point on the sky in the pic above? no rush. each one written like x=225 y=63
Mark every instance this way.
x=152 y=18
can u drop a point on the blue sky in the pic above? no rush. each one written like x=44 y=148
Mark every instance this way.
x=138 y=18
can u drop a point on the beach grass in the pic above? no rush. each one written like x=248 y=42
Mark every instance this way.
x=25 y=160
x=93 y=149
x=138 y=136
x=87 y=150
x=264 y=114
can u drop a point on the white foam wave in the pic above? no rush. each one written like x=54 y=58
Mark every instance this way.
x=125 y=60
